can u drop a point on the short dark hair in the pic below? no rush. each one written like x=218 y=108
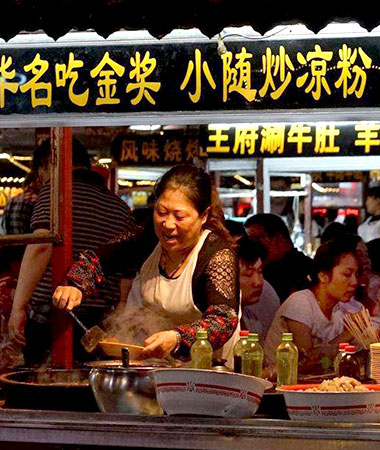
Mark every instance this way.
x=329 y=254
x=80 y=156
x=250 y=251
x=334 y=230
x=374 y=192
x=234 y=227
x=374 y=254
x=272 y=224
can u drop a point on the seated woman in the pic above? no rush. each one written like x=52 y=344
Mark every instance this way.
x=315 y=316
x=189 y=281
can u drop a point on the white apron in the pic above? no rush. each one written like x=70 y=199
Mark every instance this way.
x=170 y=301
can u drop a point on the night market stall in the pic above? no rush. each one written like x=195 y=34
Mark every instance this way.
x=271 y=97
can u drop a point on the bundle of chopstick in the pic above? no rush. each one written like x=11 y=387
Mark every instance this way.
x=361 y=328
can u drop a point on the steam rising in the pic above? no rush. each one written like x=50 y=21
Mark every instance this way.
x=133 y=324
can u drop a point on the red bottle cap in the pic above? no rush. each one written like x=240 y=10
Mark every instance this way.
x=343 y=345
x=350 y=348
x=244 y=333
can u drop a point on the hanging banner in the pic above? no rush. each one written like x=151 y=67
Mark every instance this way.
x=290 y=140
x=249 y=75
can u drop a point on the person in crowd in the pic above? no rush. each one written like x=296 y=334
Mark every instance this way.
x=333 y=231
x=284 y=267
x=259 y=300
x=315 y=316
x=331 y=216
x=10 y=353
x=17 y=215
x=368 y=289
x=98 y=215
x=235 y=228
x=351 y=222
x=370 y=228
x=374 y=255
x=189 y=281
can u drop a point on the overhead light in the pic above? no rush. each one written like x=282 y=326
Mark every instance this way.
x=105 y=160
x=23 y=158
x=125 y=183
x=144 y=127
x=243 y=180
x=5 y=156
x=18 y=164
x=318 y=187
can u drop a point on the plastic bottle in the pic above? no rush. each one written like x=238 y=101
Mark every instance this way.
x=338 y=357
x=238 y=350
x=349 y=365
x=252 y=357
x=287 y=361
x=201 y=351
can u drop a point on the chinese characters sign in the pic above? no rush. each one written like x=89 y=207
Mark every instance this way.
x=286 y=140
x=253 y=75
x=156 y=149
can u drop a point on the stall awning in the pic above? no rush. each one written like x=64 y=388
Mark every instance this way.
x=160 y=17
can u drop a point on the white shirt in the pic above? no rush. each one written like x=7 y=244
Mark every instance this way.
x=303 y=307
x=369 y=230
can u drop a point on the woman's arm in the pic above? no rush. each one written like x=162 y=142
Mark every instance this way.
x=220 y=286
x=126 y=253
x=309 y=356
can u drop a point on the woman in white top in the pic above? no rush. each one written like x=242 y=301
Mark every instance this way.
x=315 y=316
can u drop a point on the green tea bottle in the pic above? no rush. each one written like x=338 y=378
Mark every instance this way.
x=201 y=351
x=238 y=350
x=287 y=361
x=253 y=356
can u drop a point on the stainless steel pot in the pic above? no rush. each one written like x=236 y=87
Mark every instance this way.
x=124 y=389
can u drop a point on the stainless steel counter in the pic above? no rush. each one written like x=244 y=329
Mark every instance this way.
x=52 y=429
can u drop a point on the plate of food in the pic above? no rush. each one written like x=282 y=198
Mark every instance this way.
x=341 y=399
x=112 y=347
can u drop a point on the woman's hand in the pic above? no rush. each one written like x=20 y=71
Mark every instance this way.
x=159 y=344
x=67 y=297
x=16 y=326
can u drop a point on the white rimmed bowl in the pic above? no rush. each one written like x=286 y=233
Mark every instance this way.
x=332 y=406
x=208 y=393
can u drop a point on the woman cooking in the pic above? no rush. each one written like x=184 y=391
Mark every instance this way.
x=190 y=279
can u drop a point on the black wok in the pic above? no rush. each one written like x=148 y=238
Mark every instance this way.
x=49 y=389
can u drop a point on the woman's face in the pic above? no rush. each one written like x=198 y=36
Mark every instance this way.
x=343 y=278
x=177 y=223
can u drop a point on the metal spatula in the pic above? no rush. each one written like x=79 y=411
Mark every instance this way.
x=92 y=336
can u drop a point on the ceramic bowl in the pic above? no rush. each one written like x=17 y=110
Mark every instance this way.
x=208 y=393
x=332 y=406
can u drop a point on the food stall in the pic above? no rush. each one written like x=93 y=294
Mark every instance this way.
x=85 y=79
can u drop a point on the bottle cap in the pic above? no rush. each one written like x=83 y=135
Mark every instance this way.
x=343 y=345
x=201 y=334
x=253 y=337
x=244 y=333
x=350 y=349
x=287 y=336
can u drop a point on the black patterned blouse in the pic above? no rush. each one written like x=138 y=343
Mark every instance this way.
x=215 y=283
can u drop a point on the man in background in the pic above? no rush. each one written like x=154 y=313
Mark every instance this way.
x=98 y=216
x=370 y=228
x=259 y=300
x=284 y=267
